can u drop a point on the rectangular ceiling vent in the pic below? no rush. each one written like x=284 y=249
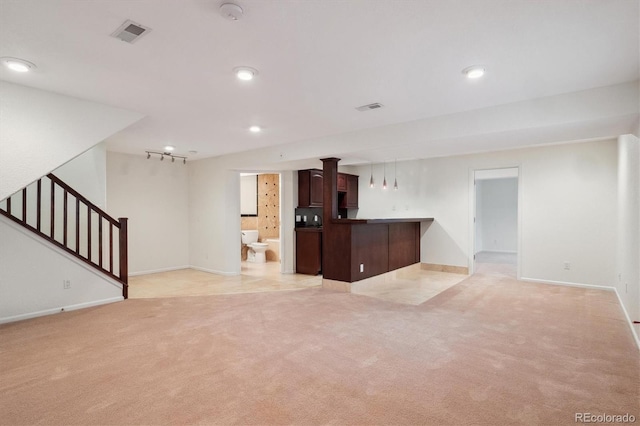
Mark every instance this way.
x=130 y=31
x=369 y=107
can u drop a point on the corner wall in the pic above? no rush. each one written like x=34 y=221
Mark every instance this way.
x=627 y=278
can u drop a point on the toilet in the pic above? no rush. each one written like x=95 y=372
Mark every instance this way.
x=256 y=250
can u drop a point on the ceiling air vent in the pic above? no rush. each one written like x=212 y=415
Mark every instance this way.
x=370 y=106
x=130 y=31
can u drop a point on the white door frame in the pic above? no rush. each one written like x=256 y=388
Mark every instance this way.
x=472 y=216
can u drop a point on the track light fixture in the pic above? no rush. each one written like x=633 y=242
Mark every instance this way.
x=166 y=154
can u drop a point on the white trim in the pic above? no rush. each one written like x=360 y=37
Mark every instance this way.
x=568 y=284
x=499 y=251
x=629 y=321
x=60 y=309
x=212 y=271
x=596 y=287
x=155 y=271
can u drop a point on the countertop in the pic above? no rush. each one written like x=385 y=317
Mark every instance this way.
x=374 y=221
x=309 y=229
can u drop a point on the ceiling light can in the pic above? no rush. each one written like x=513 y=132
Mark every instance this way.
x=17 y=64
x=473 y=72
x=245 y=73
x=255 y=129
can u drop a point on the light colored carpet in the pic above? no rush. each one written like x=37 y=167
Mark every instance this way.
x=489 y=350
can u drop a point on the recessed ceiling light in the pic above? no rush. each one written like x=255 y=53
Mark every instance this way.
x=245 y=73
x=255 y=129
x=18 y=65
x=169 y=148
x=475 y=71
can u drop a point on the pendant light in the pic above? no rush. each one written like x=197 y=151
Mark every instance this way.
x=384 y=181
x=371 y=185
x=395 y=175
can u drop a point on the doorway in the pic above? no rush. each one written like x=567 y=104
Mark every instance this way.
x=496 y=222
x=260 y=208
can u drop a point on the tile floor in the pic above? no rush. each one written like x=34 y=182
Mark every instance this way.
x=254 y=278
x=411 y=288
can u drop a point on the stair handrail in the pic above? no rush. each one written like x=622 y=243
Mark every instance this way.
x=121 y=224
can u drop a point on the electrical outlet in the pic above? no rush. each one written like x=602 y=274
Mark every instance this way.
x=620 y=277
x=362 y=267
x=66 y=284
x=567 y=266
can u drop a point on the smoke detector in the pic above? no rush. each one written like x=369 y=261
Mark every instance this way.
x=369 y=107
x=130 y=31
x=231 y=11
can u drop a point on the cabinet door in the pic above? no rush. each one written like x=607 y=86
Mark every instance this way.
x=308 y=252
x=342 y=182
x=351 y=197
x=315 y=189
x=303 y=188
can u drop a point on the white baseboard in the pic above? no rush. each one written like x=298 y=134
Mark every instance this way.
x=155 y=271
x=568 y=284
x=626 y=314
x=60 y=309
x=596 y=287
x=213 y=271
x=498 y=251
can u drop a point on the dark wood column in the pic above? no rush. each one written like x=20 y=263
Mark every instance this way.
x=336 y=248
x=330 y=189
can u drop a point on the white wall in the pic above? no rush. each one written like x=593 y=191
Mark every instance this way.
x=29 y=289
x=41 y=130
x=497 y=215
x=214 y=217
x=568 y=207
x=154 y=195
x=627 y=280
x=87 y=174
x=288 y=202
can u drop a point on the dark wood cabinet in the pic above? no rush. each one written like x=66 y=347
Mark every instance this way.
x=342 y=182
x=310 y=188
x=351 y=197
x=308 y=251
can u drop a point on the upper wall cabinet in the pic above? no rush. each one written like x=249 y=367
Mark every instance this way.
x=350 y=199
x=310 y=188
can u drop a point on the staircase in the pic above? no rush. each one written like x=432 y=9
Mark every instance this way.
x=56 y=212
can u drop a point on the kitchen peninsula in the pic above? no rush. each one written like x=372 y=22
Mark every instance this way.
x=357 y=249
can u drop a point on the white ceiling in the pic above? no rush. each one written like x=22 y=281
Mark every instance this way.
x=317 y=61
